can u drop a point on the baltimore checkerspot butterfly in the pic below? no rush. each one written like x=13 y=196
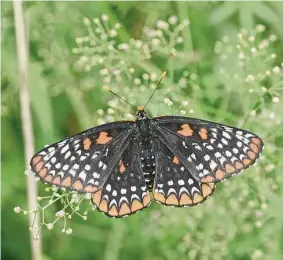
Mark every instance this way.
x=178 y=159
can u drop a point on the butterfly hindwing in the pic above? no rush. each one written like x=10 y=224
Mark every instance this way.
x=83 y=162
x=125 y=190
x=174 y=184
x=212 y=152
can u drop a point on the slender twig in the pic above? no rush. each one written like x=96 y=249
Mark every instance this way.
x=22 y=49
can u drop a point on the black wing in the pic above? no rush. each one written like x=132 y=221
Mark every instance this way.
x=211 y=152
x=174 y=185
x=125 y=190
x=84 y=161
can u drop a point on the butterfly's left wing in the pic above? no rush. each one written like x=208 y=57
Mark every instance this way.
x=84 y=161
x=211 y=152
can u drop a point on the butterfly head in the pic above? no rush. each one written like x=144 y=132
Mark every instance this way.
x=141 y=114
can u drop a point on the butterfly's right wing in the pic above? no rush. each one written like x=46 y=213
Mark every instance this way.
x=84 y=161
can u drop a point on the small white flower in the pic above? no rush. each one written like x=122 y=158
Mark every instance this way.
x=179 y=39
x=252 y=113
x=117 y=26
x=17 y=210
x=166 y=101
x=153 y=76
x=276 y=69
x=123 y=46
x=273 y=37
x=69 y=231
x=104 y=72
x=275 y=100
x=60 y=213
x=253 y=50
x=173 y=19
x=86 y=21
x=241 y=56
x=155 y=41
x=145 y=76
x=162 y=25
x=96 y=20
x=260 y=28
x=251 y=38
x=250 y=78
x=104 y=17
x=112 y=33
x=137 y=81
x=50 y=226
x=273 y=56
x=186 y=22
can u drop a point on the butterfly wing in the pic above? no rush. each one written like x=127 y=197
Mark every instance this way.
x=84 y=161
x=174 y=184
x=125 y=190
x=211 y=152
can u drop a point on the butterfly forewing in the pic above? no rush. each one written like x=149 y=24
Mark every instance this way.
x=174 y=184
x=211 y=152
x=125 y=190
x=83 y=162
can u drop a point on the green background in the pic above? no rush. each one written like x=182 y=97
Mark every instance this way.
x=213 y=68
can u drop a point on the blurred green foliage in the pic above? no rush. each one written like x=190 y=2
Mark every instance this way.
x=227 y=63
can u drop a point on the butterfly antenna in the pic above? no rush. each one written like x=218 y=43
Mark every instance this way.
x=162 y=77
x=106 y=88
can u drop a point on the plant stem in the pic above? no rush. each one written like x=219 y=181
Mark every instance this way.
x=22 y=49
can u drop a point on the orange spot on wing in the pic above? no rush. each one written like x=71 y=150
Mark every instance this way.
x=36 y=159
x=103 y=138
x=124 y=209
x=229 y=168
x=122 y=168
x=256 y=140
x=239 y=166
x=39 y=166
x=136 y=205
x=67 y=182
x=146 y=199
x=186 y=130
x=251 y=155
x=220 y=174
x=203 y=133
x=103 y=206
x=176 y=160
x=113 y=211
x=56 y=180
x=158 y=196
x=185 y=200
x=48 y=178
x=42 y=172
x=96 y=197
x=172 y=200
x=247 y=162
x=77 y=185
x=207 y=179
x=206 y=190
x=90 y=189
x=197 y=198
x=87 y=143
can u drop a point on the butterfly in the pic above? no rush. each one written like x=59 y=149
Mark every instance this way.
x=177 y=159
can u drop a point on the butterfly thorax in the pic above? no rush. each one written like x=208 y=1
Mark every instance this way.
x=145 y=145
